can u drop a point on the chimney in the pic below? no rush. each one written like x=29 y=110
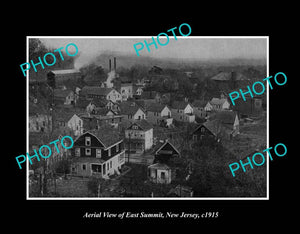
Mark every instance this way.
x=115 y=64
x=110 y=65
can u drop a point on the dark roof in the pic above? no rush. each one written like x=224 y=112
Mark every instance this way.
x=65 y=71
x=179 y=104
x=99 y=103
x=161 y=166
x=145 y=102
x=148 y=94
x=143 y=124
x=82 y=103
x=108 y=136
x=225 y=76
x=199 y=103
x=226 y=116
x=218 y=101
x=214 y=126
x=62 y=114
x=160 y=145
x=129 y=108
x=100 y=111
x=61 y=93
x=154 y=107
x=95 y=90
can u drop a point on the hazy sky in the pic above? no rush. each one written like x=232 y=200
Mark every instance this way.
x=184 y=47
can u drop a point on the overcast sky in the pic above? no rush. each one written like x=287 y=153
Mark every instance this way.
x=184 y=47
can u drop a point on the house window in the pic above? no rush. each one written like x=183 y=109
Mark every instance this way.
x=202 y=129
x=135 y=127
x=110 y=164
x=163 y=175
x=117 y=148
x=109 y=152
x=83 y=167
x=194 y=137
x=77 y=152
x=87 y=151
x=98 y=153
x=88 y=141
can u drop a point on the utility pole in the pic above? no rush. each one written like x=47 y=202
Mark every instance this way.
x=128 y=147
x=98 y=190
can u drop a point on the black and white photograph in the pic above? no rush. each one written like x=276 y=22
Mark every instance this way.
x=147 y=118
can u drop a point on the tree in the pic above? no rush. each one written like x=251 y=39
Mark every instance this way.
x=95 y=185
x=92 y=72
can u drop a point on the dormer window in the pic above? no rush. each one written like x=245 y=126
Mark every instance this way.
x=88 y=141
x=134 y=127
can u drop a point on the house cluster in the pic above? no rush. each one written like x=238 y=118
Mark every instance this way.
x=117 y=116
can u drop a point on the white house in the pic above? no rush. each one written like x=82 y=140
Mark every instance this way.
x=109 y=94
x=139 y=136
x=131 y=111
x=219 y=104
x=208 y=107
x=126 y=91
x=64 y=96
x=183 y=111
x=76 y=124
x=158 y=113
x=159 y=173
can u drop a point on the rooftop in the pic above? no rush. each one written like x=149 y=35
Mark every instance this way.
x=218 y=101
x=154 y=107
x=61 y=93
x=225 y=76
x=65 y=71
x=179 y=104
x=108 y=136
x=226 y=116
x=128 y=108
x=143 y=124
x=95 y=90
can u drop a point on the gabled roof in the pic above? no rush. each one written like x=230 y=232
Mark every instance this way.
x=82 y=103
x=95 y=90
x=226 y=116
x=63 y=116
x=214 y=126
x=143 y=124
x=218 y=101
x=159 y=147
x=155 y=107
x=199 y=103
x=225 y=76
x=107 y=136
x=180 y=104
x=99 y=103
x=129 y=108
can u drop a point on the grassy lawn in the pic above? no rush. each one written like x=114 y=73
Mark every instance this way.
x=72 y=187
